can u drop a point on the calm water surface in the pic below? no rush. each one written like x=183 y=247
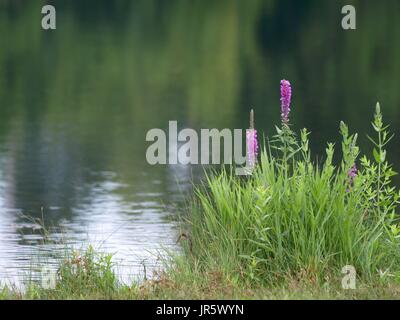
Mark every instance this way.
x=76 y=103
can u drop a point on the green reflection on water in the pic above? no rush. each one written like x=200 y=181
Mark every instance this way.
x=76 y=103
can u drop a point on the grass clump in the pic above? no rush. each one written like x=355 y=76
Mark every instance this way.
x=183 y=280
x=296 y=218
x=84 y=274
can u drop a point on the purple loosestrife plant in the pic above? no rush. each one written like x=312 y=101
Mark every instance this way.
x=252 y=147
x=286 y=96
x=251 y=142
x=352 y=174
x=286 y=137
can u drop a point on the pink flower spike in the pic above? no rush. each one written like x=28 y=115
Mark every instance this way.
x=252 y=147
x=286 y=96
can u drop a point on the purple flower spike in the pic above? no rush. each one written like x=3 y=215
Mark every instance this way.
x=252 y=147
x=286 y=96
x=353 y=173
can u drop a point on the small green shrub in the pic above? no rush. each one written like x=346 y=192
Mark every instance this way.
x=86 y=274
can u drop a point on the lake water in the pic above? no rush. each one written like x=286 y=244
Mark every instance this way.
x=76 y=104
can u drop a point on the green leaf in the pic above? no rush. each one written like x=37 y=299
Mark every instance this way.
x=278 y=130
x=383 y=155
x=372 y=140
x=377 y=156
x=376 y=128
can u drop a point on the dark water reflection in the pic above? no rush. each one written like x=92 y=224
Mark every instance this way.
x=76 y=103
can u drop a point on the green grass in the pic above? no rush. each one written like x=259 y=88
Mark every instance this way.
x=94 y=279
x=285 y=232
x=294 y=217
x=89 y=275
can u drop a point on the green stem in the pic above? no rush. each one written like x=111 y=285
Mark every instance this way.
x=379 y=172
